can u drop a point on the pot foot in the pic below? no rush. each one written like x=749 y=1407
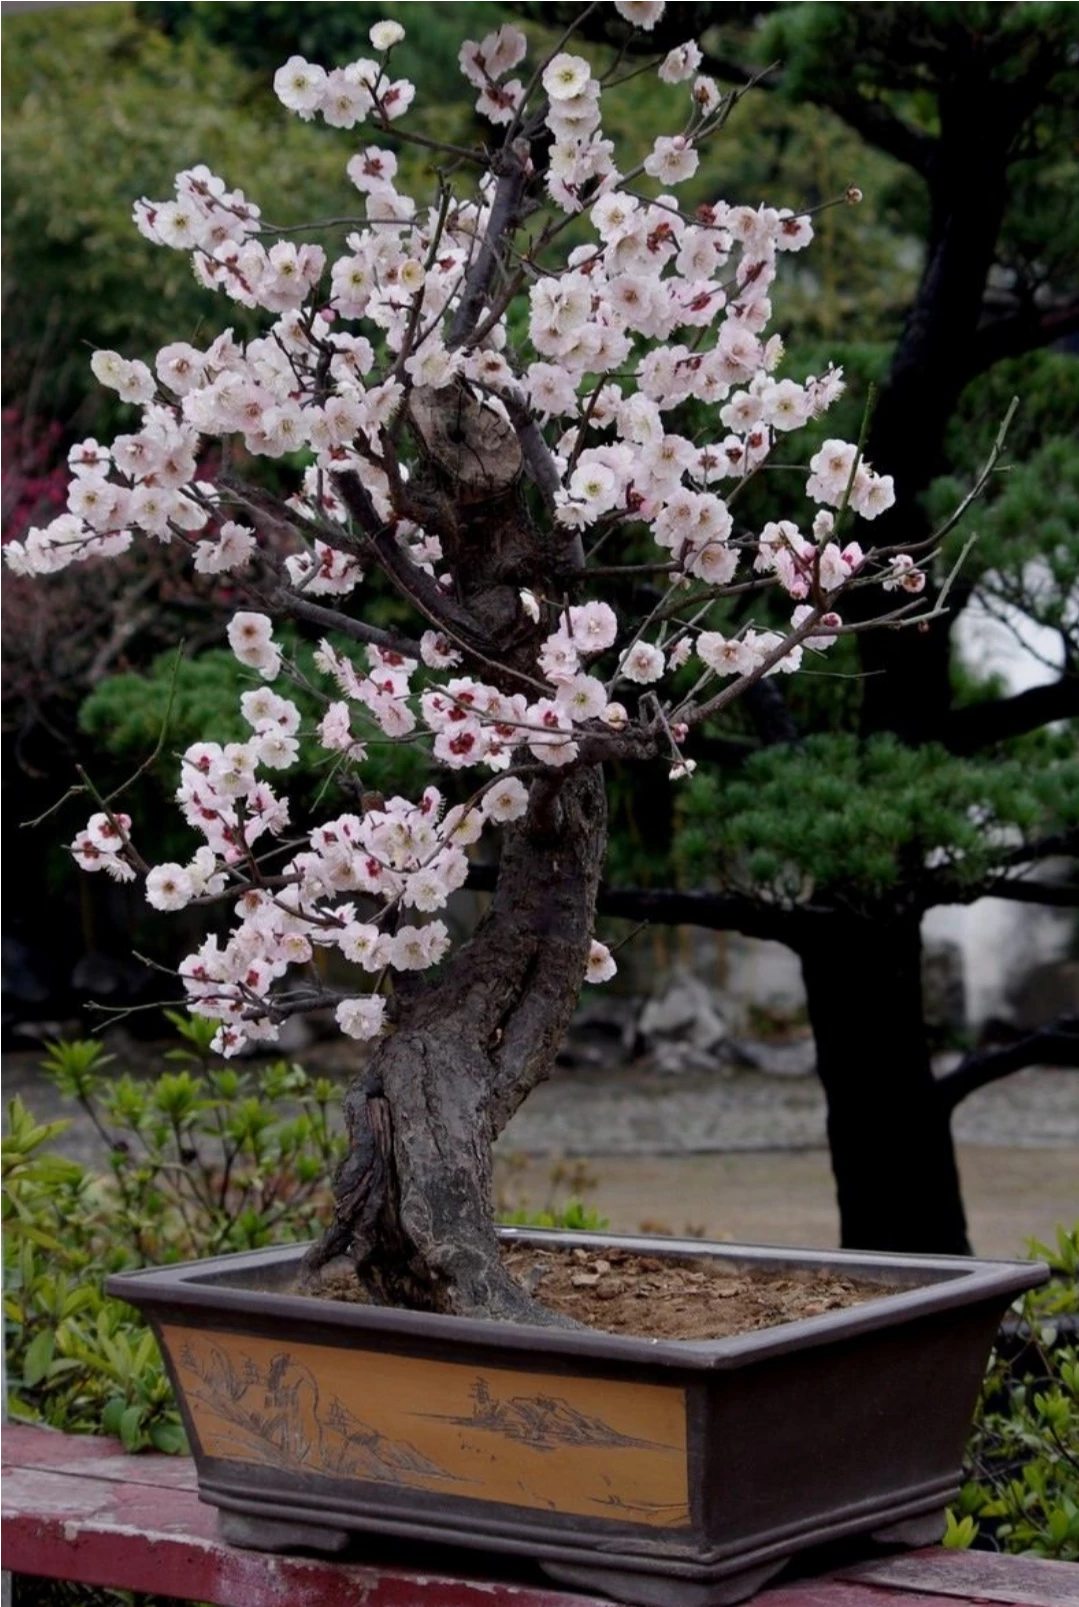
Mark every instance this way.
x=659 y=1590
x=924 y=1530
x=266 y=1534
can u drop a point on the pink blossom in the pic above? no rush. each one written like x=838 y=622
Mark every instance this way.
x=592 y=626
x=601 y=966
x=361 y=1018
x=169 y=887
x=643 y=663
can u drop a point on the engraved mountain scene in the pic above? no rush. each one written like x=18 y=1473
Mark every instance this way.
x=544 y=1422
x=275 y=1413
x=376 y=1417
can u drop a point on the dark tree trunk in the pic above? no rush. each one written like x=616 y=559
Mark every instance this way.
x=892 y=1154
x=907 y=686
x=413 y=1197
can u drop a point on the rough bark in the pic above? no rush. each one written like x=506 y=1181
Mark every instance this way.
x=413 y=1197
x=413 y=1209
x=890 y=1136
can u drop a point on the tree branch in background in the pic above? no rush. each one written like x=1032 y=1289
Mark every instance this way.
x=1026 y=330
x=873 y=119
x=978 y=725
x=1057 y=1045
x=1056 y=895
x=881 y=127
x=716 y=912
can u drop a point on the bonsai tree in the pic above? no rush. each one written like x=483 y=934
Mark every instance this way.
x=478 y=398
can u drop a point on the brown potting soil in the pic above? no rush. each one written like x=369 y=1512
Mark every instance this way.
x=655 y=1297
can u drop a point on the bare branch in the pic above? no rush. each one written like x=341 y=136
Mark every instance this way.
x=979 y=725
x=1057 y=895
x=331 y=619
x=664 y=906
x=511 y=167
x=1025 y=330
x=1057 y=1045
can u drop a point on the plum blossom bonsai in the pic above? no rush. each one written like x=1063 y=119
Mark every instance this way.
x=487 y=386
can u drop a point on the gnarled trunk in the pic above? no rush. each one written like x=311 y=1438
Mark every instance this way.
x=413 y=1201
x=889 y=1132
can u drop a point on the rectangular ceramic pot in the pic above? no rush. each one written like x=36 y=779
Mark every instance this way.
x=660 y=1472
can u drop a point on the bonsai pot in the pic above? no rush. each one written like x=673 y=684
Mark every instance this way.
x=659 y=1472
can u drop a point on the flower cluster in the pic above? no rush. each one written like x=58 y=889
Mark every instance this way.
x=346 y=95
x=102 y=845
x=657 y=308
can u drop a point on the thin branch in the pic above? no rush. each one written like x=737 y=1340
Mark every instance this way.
x=413 y=583
x=508 y=193
x=984 y=476
x=331 y=619
x=736 y=72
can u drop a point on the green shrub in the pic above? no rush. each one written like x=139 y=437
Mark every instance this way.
x=574 y=1216
x=1022 y=1493
x=76 y=1360
x=203 y=1159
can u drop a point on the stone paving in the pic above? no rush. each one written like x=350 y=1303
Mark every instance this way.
x=737 y=1156
x=598 y=1113
x=637 y=1112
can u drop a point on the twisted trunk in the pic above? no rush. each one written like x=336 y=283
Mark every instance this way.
x=413 y=1201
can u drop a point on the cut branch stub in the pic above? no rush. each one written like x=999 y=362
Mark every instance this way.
x=472 y=445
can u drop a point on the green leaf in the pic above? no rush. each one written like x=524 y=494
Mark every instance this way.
x=168 y=1437
x=112 y=1415
x=131 y=1428
x=959 y=1533
x=38 y=1358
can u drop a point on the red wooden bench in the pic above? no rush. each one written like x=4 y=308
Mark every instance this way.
x=79 y=1509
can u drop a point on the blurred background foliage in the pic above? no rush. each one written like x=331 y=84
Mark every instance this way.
x=104 y=103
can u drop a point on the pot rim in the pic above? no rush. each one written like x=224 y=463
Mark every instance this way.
x=952 y=1282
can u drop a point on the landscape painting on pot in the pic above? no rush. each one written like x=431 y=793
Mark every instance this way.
x=485 y=388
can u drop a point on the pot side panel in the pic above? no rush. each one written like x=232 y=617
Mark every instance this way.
x=583 y=1446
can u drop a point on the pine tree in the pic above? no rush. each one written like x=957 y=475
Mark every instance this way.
x=922 y=788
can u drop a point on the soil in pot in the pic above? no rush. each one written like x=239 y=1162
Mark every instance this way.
x=623 y=1292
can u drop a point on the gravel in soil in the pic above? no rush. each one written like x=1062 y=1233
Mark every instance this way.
x=654 y=1297
x=622 y=1292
